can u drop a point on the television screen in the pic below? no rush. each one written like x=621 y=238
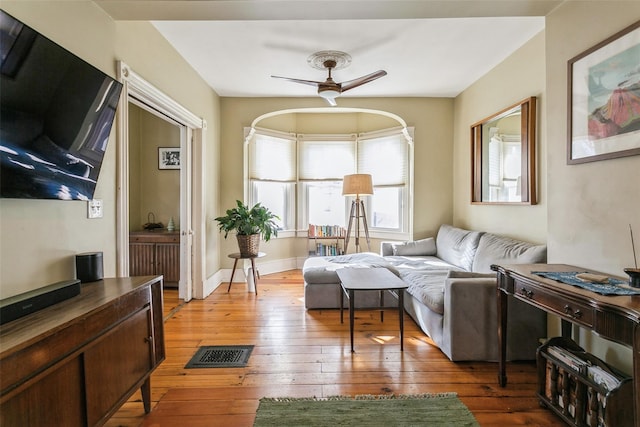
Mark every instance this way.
x=55 y=119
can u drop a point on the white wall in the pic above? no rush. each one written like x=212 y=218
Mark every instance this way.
x=590 y=205
x=518 y=77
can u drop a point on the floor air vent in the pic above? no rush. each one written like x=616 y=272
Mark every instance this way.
x=216 y=356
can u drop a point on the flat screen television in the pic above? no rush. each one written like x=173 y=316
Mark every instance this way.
x=55 y=119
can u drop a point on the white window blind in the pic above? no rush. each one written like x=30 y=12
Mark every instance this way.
x=300 y=177
x=386 y=158
x=495 y=165
x=326 y=160
x=272 y=157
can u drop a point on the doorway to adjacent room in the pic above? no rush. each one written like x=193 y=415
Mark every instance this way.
x=182 y=200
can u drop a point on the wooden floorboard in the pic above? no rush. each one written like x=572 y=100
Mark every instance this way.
x=300 y=353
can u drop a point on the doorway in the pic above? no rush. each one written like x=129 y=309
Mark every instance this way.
x=154 y=194
x=148 y=100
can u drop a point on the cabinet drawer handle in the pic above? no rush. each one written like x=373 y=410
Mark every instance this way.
x=527 y=293
x=569 y=311
x=148 y=339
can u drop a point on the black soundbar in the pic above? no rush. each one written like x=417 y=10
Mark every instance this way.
x=20 y=305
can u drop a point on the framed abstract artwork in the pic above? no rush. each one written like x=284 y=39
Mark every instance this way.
x=604 y=99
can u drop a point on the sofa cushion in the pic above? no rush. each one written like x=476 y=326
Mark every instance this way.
x=428 y=288
x=424 y=247
x=322 y=270
x=494 y=249
x=457 y=246
x=420 y=263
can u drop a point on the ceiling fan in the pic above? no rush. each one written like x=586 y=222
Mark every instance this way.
x=333 y=60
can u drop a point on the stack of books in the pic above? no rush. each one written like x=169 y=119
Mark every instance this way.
x=326 y=231
x=328 y=250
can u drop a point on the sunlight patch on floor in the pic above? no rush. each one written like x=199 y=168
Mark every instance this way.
x=383 y=339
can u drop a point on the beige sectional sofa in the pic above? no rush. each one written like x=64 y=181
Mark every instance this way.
x=451 y=293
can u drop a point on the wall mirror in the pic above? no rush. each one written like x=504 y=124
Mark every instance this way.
x=503 y=156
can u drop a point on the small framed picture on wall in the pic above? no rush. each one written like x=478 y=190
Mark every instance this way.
x=168 y=158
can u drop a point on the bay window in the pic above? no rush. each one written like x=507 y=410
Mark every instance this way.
x=299 y=177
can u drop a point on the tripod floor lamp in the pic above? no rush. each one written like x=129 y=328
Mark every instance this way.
x=357 y=185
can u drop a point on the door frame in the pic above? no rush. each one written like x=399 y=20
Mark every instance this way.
x=192 y=242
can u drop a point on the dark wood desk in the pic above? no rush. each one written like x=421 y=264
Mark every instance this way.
x=616 y=318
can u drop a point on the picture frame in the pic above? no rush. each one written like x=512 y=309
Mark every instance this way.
x=604 y=99
x=168 y=158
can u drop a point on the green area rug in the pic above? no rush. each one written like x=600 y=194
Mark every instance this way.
x=443 y=409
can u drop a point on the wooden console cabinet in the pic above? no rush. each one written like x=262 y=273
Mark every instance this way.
x=155 y=253
x=76 y=362
x=616 y=318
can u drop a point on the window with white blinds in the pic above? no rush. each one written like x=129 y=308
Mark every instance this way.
x=325 y=159
x=272 y=157
x=272 y=173
x=316 y=164
x=385 y=158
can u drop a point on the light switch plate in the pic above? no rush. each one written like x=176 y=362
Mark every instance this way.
x=94 y=208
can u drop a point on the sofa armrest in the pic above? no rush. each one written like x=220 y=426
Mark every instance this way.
x=386 y=248
x=469 y=295
x=470 y=323
x=470 y=318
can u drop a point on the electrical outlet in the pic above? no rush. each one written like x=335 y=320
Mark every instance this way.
x=94 y=208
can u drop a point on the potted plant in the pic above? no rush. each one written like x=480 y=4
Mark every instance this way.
x=249 y=224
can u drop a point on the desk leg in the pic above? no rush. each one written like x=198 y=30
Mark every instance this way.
x=351 y=315
x=235 y=262
x=636 y=374
x=401 y=315
x=382 y=305
x=255 y=275
x=502 y=337
x=567 y=328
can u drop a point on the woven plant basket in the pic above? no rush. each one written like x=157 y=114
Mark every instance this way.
x=249 y=245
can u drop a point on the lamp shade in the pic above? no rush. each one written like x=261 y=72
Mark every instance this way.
x=357 y=184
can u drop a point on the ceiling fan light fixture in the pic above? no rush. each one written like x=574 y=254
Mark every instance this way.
x=329 y=93
x=333 y=60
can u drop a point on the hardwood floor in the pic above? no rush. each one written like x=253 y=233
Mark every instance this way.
x=300 y=353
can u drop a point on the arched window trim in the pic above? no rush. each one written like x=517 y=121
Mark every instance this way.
x=300 y=227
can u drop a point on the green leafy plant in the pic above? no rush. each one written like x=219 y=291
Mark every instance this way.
x=245 y=221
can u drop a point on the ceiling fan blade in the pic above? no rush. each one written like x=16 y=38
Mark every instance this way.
x=331 y=101
x=362 y=80
x=306 y=82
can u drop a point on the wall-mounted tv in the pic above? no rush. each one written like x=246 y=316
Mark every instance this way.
x=55 y=119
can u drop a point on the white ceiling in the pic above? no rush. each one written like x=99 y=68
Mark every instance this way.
x=428 y=47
